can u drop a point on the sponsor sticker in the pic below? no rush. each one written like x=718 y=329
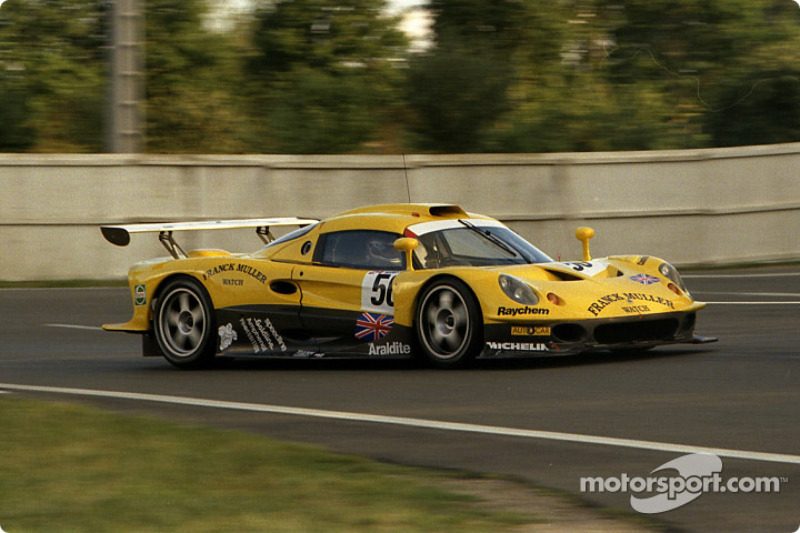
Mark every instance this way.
x=373 y=327
x=307 y=354
x=391 y=348
x=140 y=295
x=518 y=346
x=530 y=331
x=636 y=309
x=232 y=268
x=645 y=279
x=629 y=297
x=226 y=336
x=522 y=311
x=262 y=335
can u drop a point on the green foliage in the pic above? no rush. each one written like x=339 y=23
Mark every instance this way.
x=323 y=73
x=15 y=134
x=51 y=56
x=769 y=113
x=710 y=60
x=457 y=94
x=191 y=91
x=330 y=76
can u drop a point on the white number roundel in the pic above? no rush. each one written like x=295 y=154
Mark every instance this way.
x=376 y=292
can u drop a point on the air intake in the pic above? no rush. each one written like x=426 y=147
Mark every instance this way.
x=446 y=210
x=639 y=331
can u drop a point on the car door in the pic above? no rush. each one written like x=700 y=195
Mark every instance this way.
x=258 y=307
x=347 y=303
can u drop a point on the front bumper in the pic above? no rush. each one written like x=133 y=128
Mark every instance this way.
x=565 y=337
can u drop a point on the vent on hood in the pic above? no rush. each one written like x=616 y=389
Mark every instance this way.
x=563 y=276
x=611 y=272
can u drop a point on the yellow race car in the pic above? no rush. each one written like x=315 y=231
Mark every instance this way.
x=396 y=280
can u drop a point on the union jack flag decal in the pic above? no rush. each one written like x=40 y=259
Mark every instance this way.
x=645 y=279
x=372 y=326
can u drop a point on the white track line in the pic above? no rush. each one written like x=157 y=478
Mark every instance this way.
x=74 y=326
x=766 y=275
x=417 y=423
x=773 y=294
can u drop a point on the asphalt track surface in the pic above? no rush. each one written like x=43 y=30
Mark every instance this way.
x=741 y=394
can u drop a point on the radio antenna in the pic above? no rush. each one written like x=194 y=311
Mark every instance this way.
x=405 y=172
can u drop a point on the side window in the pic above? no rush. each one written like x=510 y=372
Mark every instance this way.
x=370 y=250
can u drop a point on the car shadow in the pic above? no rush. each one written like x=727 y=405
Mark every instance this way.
x=394 y=365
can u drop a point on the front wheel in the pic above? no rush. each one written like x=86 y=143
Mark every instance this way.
x=184 y=324
x=449 y=324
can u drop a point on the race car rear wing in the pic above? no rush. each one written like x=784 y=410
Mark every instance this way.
x=121 y=235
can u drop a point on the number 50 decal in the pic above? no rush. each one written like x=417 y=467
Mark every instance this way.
x=376 y=292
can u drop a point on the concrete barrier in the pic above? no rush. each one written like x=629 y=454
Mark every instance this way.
x=692 y=207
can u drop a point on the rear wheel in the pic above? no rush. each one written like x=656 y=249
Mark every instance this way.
x=184 y=324
x=449 y=324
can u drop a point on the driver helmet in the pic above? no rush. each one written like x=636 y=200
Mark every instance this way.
x=383 y=252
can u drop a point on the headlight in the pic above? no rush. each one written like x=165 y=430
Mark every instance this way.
x=671 y=273
x=518 y=290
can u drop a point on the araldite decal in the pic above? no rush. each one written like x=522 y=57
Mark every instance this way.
x=392 y=348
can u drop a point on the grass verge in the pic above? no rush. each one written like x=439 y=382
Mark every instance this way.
x=75 y=468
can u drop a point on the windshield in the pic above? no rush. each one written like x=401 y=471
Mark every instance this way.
x=472 y=245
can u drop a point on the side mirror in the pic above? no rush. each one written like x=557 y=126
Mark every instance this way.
x=584 y=234
x=407 y=245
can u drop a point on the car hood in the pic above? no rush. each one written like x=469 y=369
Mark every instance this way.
x=568 y=270
x=601 y=288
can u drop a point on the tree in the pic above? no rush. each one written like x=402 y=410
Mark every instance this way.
x=192 y=82
x=325 y=74
x=460 y=89
x=725 y=65
x=758 y=101
x=52 y=73
x=456 y=94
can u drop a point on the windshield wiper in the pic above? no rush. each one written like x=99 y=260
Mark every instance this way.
x=491 y=238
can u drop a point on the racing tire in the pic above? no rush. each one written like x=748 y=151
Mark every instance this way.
x=449 y=324
x=184 y=325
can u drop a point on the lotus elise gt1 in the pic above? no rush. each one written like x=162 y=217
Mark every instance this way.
x=397 y=281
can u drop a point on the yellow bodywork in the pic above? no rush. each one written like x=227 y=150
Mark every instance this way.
x=266 y=277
